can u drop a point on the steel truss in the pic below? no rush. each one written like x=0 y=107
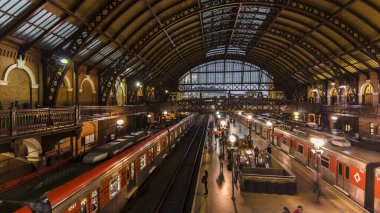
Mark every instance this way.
x=242 y=104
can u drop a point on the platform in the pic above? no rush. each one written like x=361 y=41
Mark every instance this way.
x=220 y=190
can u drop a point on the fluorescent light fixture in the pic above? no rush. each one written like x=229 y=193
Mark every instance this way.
x=342 y=86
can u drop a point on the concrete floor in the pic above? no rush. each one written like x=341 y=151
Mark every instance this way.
x=220 y=190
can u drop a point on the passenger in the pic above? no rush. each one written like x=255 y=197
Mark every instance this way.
x=286 y=210
x=299 y=209
x=220 y=165
x=17 y=105
x=205 y=182
x=256 y=151
x=316 y=181
x=269 y=149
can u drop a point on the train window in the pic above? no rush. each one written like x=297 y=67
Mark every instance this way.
x=142 y=162
x=151 y=154
x=83 y=206
x=300 y=149
x=133 y=170
x=94 y=201
x=325 y=162
x=114 y=186
x=158 y=148
x=371 y=128
x=340 y=169
x=347 y=172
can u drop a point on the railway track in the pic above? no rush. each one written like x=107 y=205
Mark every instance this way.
x=150 y=194
x=179 y=192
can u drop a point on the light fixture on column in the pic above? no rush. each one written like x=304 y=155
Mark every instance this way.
x=64 y=61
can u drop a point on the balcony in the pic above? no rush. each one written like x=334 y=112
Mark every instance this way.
x=19 y=122
x=352 y=110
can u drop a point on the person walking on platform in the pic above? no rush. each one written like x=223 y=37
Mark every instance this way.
x=299 y=209
x=205 y=182
x=256 y=151
x=286 y=210
x=220 y=165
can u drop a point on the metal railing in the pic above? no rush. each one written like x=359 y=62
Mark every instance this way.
x=23 y=121
x=359 y=110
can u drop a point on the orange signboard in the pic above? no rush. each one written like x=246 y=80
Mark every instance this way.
x=216 y=132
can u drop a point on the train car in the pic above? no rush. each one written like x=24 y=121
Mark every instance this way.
x=108 y=186
x=377 y=191
x=353 y=170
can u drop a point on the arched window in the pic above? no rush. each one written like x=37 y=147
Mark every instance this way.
x=334 y=97
x=226 y=75
x=368 y=95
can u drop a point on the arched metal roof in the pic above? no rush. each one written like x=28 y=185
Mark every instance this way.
x=297 y=42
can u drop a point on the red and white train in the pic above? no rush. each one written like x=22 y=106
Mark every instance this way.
x=354 y=170
x=108 y=186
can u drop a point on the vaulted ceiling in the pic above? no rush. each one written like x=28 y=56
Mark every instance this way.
x=157 y=41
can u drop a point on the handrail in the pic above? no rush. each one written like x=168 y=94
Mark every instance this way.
x=15 y=121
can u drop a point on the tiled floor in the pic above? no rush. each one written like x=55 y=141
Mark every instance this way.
x=220 y=190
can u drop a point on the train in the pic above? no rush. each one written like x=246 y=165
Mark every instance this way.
x=108 y=186
x=352 y=170
x=112 y=148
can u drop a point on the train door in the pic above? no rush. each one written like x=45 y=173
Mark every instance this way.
x=291 y=146
x=94 y=201
x=311 y=159
x=133 y=174
x=343 y=174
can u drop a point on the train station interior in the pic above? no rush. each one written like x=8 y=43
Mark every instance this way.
x=201 y=106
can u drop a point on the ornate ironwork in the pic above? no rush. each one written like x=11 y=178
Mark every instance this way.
x=108 y=77
x=57 y=71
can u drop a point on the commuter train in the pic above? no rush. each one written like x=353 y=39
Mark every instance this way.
x=108 y=186
x=352 y=170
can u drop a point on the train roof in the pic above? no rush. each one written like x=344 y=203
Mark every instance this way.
x=61 y=193
x=359 y=153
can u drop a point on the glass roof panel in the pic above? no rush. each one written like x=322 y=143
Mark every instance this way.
x=58 y=35
x=10 y=9
x=36 y=25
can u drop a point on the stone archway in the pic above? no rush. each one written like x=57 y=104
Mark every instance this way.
x=33 y=148
x=89 y=80
x=21 y=65
x=87 y=94
x=332 y=97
